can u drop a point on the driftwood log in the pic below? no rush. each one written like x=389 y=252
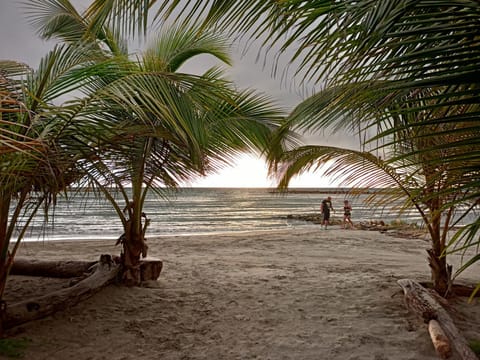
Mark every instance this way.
x=439 y=339
x=51 y=268
x=105 y=272
x=150 y=269
x=93 y=277
x=421 y=302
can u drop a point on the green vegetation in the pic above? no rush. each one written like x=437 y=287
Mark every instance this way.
x=475 y=345
x=13 y=348
x=41 y=143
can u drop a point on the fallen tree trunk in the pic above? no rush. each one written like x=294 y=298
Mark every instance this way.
x=420 y=301
x=105 y=273
x=51 y=268
x=150 y=269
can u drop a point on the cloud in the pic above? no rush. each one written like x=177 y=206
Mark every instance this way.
x=18 y=38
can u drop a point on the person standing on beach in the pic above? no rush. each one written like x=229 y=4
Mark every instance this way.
x=325 y=211
x=347 y=214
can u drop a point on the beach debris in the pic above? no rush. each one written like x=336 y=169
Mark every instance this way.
x=51 y=268
x=439 y=339
x=398 y=228
x=314 y=218
x=150 y=269
x=443 y=331
x=32 y=309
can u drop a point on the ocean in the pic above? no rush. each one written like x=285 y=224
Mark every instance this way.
x=203 y=211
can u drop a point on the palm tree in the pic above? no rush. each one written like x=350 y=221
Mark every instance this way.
x=39 y=144
x=173 y=132
x=409 y=65
x=404 y=162
x=43 y=145
x=170 y=126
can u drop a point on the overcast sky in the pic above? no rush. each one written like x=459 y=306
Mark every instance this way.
x=19 y=42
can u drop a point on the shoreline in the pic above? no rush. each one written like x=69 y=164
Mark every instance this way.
x=300 y=222
x=297 y=294
x=299 y=226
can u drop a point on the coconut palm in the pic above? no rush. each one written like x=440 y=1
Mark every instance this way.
x=21 y=149
x=170 y=126
x=43 y=145
x=404 y=162
x=402 y=60
x=171 y=133
x=40 y=142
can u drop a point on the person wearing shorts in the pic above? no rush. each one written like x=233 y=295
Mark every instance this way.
x=325 y=209
x=347 y=214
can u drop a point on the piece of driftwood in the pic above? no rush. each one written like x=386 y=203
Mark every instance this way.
x=439 y=339
x=420 y=301
x=16 y=314
x=51 y=268
x=150 y=269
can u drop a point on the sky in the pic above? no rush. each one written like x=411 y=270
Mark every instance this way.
x=19 y=42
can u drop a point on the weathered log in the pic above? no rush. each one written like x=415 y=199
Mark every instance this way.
x=51 y=268
x=424 y=305
x=150 y=269
x=439 y=339
x=25 y=311
x=456 y=289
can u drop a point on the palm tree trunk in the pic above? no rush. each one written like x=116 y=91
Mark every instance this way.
x=134 y=246
x=437 y=260
x=4 y=240
x=440 y=273
x=4 y=243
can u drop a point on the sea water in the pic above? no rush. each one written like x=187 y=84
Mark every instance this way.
x=203 y=211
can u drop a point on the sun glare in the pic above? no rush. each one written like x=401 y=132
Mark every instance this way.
x=250 y=171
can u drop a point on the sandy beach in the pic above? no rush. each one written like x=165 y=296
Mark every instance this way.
x=292 y=294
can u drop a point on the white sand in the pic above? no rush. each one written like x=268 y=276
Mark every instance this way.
x=291 y=294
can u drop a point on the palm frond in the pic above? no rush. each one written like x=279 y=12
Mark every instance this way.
x=177 y=44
